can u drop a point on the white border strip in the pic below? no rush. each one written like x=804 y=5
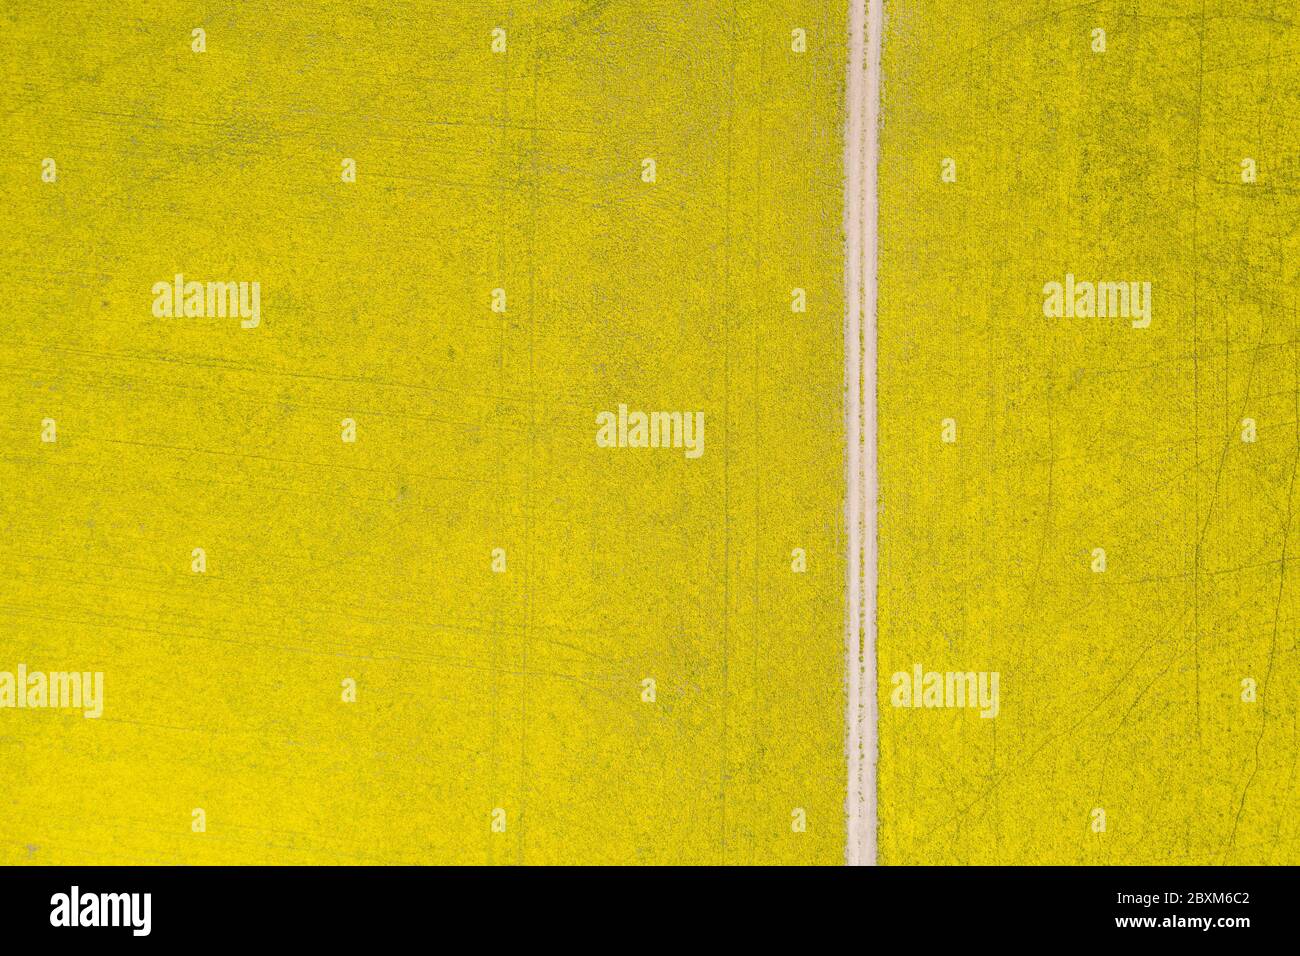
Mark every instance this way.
x=861 y=151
